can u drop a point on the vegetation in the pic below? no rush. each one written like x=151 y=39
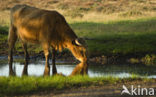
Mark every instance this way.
x=22 y=85
x=122 y=38
x=111 y=27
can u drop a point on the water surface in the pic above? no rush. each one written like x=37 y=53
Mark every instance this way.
x=120 y=70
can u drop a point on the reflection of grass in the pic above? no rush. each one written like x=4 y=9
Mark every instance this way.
x=17 y=85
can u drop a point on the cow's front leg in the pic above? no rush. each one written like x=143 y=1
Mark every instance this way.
x=47 y=67
x=10 y=60
x=54 y=70
x=80 y=69
x=26 y=55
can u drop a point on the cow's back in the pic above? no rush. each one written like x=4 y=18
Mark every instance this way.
x=32 y=23
x=38 y=25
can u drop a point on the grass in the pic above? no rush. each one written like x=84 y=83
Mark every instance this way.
x=128 y=37
x=124 y=37
x=22 y=85
x=86 y=10
x=17 y=85
x=112 y=29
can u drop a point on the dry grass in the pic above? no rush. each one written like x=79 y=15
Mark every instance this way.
x=105 y=18
x=88 y=17
x=4 y=18
x=105 y=6
x=87 y=10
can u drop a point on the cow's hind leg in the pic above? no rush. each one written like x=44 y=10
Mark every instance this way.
x=46 y=53
x=26 y=55
x=54 y=70
x=11 y=42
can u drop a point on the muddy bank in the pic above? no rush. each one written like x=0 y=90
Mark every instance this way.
x=146 y=59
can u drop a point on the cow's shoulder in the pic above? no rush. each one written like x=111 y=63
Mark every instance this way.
x=17 y=7
x=22 y=8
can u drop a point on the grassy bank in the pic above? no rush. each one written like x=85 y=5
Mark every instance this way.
x=23 y=85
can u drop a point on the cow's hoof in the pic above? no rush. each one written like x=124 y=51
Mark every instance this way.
x=25 y=73
x=59 y=74
x=47 y=72
x=12 y=73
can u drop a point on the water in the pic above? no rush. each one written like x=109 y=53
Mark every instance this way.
x=121 y=71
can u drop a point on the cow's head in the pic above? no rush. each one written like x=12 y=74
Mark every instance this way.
x=79 y=49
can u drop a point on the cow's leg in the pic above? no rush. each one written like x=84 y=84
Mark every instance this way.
x=11 y=42
x=54 y=71
x=26 y=55
x=46 y=53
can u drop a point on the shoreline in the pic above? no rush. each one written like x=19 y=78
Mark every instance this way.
x=98 y=60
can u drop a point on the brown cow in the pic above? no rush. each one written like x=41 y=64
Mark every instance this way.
x=49 y=29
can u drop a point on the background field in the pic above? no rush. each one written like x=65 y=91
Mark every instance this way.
x=112 y=28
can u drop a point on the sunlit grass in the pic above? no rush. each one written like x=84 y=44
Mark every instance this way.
x=107 y=18
x=17 y=85
x=22 y=85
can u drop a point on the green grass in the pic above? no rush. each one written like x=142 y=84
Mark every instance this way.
x=17 y=85
x=129 y=37
x=22 y=85
x=3 y=33
x=124 y=37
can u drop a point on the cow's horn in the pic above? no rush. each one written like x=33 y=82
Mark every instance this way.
x=77 y=42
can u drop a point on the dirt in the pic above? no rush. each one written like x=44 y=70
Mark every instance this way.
x=110 y=90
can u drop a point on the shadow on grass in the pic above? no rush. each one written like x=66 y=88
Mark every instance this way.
x=91 y=29
x=114 y=38
x=124 y=37
x=4 y=29
x=124 y=44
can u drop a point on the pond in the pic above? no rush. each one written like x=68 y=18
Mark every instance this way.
x=119 y=70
